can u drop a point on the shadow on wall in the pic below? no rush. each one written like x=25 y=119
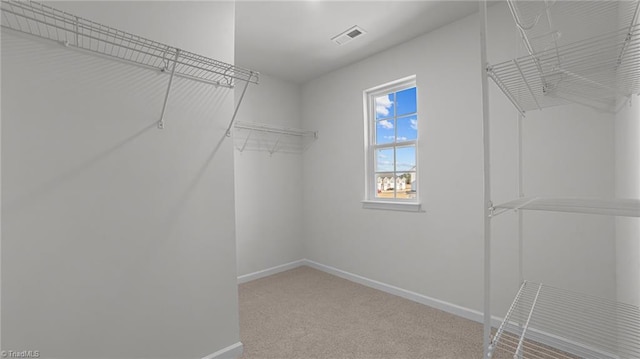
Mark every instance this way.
x=83 y=129
x=31 y=197
x=87 y=70
x=188 y=192
x=118 y=220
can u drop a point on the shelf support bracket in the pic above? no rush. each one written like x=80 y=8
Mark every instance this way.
x=166 y=96
x=517 y=20
x=525 y=38
x=533 y=96
x=629 y=37
x=492 y=209
x=624 y=103
x=273 y=149
x=235 y=112
x=244 y=145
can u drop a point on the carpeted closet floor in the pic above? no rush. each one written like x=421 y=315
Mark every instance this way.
x=304 y=313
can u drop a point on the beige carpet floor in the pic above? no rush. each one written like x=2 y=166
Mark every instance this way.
x=304 y=313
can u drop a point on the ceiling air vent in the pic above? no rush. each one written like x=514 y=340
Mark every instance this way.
x=348 y=35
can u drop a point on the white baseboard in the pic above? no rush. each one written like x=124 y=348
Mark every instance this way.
x=474 y=315
x=270 y=271
x=413 y=296
x=233 y=351
x=416 y=297
x=540 y=336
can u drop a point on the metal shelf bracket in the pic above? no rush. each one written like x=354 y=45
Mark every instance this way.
x=235 y=112
x=166 y=96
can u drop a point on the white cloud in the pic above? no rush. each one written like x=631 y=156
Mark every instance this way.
x=400 y=138
x=385 y=166
x=383 y=103
x=386 y=124
x=414 y=123
x=405 y=166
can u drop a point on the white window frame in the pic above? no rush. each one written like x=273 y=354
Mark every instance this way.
x=371 y=201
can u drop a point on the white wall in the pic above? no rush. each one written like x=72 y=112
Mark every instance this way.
x=627 y=163
x=439 y=253
x=117 y=237
x=568 y=152
x=268 y=185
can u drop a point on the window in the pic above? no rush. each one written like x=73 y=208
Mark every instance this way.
x=391 y=124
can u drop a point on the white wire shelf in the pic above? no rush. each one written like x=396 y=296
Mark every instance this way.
x=256 y=136
x=275 y=129
x=547 y=322
x=613 y=206
x=598 y=71
x=45 y=22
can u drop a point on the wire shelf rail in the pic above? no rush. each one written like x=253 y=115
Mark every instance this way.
x=45 y=22
x=628 y=207
x=273 y=138
x=548 y=322
x=275 y=129
x=596 y=72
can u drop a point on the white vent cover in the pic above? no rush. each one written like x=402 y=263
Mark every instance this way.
x=348 y=35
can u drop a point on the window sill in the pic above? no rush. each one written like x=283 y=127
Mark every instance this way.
x=393 y=206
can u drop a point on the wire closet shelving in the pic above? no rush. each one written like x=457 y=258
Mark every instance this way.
x=272 y=138
x=45 y=22
x=597 y=71
x=598 y=68
x=583 y=326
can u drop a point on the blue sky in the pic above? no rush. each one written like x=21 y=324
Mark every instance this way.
x=396 y=121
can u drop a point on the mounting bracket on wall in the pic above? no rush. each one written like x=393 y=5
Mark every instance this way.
x=45 y=22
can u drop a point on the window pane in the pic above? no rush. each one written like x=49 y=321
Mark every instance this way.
x=407 y=128
x=407 y=186
x=392 y=140
x=384 y=106
x=406 y=101
x=384 y=160
x=406 y=158
x=384 y=185
x=385 y=131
